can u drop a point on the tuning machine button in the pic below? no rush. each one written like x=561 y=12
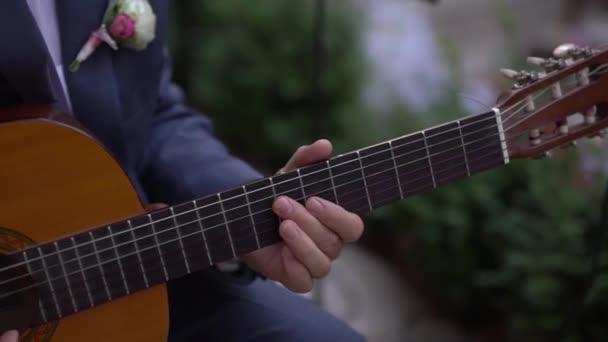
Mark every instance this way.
x=522 y=78
x=571 y=52
x=564 y=51
x=548 y=64
x=509 y=73
x=538 y=61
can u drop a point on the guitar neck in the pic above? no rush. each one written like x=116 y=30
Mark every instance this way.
x=94 y=267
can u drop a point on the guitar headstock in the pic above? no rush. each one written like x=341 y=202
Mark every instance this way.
x=564 y=100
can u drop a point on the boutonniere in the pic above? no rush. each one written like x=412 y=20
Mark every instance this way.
x=128 y=23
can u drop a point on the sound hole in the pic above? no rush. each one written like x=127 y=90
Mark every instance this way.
x=18 y=296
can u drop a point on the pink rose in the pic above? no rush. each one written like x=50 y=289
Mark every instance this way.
x=122 y=27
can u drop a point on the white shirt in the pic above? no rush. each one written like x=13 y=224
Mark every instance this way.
x=45 y=14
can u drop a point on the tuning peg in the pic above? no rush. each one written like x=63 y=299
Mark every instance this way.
x=549 y=64
x=522 y=78
x=510 y=74
x=564 y=50
x=538 y=61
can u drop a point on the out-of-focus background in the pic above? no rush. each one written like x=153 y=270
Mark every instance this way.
x=504 y=256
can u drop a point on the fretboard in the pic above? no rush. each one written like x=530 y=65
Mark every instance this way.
x=106 y=263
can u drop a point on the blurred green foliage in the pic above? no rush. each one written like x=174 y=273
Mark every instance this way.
x=511 y=244
x=258 y=71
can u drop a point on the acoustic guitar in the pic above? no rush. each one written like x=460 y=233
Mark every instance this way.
x=82 y=260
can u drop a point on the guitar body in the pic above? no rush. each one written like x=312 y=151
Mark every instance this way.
x=56 y=180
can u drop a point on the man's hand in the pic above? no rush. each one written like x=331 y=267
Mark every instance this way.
x=10 y=336
x=313 y=234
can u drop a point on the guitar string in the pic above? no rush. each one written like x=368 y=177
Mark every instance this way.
x=521 y=102
x=221 y=225
x=382 y=191
x=263 y=199
x=275 y=184
x=364 y=176
x=126 y=265
x=333 y=166
x=261 y=233
x=292 y=190
x=167 y=242
x=91 y=242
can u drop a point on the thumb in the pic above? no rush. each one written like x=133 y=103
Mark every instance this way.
x=9 y=336
x=309 y=154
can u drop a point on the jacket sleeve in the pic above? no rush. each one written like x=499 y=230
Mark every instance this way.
x=182 y=159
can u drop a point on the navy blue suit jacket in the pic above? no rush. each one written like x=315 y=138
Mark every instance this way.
x=125 y=98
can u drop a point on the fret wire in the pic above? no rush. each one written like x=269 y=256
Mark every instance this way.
x=102 y=273
x=179 y=238
x=386 y=190
x=99 y=264
x=31 y=272
x=200 y=224
x=480 y=159
x=350 y=161
x=333 y=185
x=84 y=276
x=428 y=154
x=115 y=248
x=498 y=117
x=301 y=184
x=255 y=230
x=464 y=150
x=475 y=122
x=138 y=253
x=442 y=170
x=390 y=145
x=332 y=178
x=160 y=253
x=274 y=193
x=48 y=276
x=219 y=197
x=369 y=201
x=67 y=280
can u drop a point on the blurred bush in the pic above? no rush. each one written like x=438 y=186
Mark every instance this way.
x=508 y=245
x=271 y=74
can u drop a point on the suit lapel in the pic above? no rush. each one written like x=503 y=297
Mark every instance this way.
x=93 y=92
x=24 y=61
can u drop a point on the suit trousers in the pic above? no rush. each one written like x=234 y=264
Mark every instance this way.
x=242 y=306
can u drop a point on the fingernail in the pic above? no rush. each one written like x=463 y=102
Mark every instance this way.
x=315 y=205
x=290 y=231
x=283 y=206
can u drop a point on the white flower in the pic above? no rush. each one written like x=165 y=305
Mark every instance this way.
x=140 y=11
x=130 y=23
